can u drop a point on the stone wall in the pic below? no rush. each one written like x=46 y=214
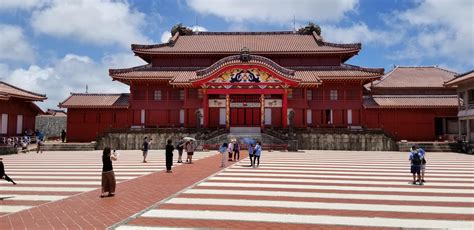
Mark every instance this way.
x=51 y=126
x=349 y=141
x=135 y=140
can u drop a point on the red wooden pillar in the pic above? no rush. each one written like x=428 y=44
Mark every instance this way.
x=262 y=111
x=205 y=108
x=227 y=111
x=185 y=124
x=284 y=109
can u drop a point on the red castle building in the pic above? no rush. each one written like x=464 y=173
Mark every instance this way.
x=17 y=109
x=244 y=79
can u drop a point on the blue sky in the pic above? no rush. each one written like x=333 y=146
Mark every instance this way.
x=59 y=46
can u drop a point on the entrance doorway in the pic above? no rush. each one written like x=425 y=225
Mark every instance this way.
x=245 y=110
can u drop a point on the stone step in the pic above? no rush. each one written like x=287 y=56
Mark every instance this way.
x=68 y=147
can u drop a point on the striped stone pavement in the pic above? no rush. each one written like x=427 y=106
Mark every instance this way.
x=52 y=176
x=317 y=189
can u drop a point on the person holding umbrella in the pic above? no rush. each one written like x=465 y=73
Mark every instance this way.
x=190 y=148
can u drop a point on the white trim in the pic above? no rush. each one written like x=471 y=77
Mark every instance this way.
x=19 y=124
x=309 y=116
x=4 y=124
x=142 y=116
x=349 y=116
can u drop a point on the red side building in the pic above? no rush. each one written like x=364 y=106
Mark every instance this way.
x=232 y=79
x=17 y=109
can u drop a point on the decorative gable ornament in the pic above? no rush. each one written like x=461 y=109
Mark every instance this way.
x=245 y=54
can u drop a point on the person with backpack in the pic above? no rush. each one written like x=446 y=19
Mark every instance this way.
x=256 y=154
x=236 y=150
x=422 y=153
x=415 y=163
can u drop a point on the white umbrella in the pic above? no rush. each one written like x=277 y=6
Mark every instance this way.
x=189 y=139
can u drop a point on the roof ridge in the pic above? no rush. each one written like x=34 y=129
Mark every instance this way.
x=428 y=66
x=24 y=90
x=242 y=33
x=98 y=94
x=464 y=74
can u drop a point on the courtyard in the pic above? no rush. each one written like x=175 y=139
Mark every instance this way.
x=289 y=190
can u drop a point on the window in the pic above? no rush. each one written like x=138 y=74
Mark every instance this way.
x=309 y=116
x=181 y=95
x=349 y=116
x=333 y=95
x=19 y=124
x=309 y=94
x=4 y=124
x=142 y=117
x=181 y=116
x=157 y=95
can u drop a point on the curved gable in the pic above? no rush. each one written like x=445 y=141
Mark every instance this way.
x=234 y=70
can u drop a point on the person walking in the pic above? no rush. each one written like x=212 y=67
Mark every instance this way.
x=180 y=148
x=39 y=141
x=251 y=151
x=190 y=148
x=415 y=165
x=3 y=175
x=422 y=153
x=169 y=156
x=63 y=136
x=108 y=176
x=230 y=149
x=236 y=150
x=257 y=153
x=222 y=151
x=145 y=147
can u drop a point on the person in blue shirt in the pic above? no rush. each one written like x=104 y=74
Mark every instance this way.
x=251 y=147
x=415 y=163
x=39 y=141
x=256 y=154
x=223 y=151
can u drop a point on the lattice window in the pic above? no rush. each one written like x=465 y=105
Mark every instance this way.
x=309 y=94
x=333 y=95
x=157 y=95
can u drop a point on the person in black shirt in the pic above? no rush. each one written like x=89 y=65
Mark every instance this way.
x=108 y=175
x=63 y=136
x=169 y=156
x=145 y=146
x=2 y=173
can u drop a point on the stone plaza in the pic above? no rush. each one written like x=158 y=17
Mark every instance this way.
x=289 y=190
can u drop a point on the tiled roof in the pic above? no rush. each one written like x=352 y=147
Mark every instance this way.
x=415 y=77
x=91 y=100
x=257 y=42
x=304 y=75
x=7 y=91
x=461 y=79
x=411 y=101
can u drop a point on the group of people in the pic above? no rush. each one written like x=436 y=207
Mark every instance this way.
x=417 y=160
x=233 y=150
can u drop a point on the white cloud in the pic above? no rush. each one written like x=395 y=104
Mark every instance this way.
x=360 y=33
x=102 y=22
x=13 y=44
x=70 y=74
x=21 y=4
x=441 y=28
x=271 y=11
x=198 y=28
x=165 y=36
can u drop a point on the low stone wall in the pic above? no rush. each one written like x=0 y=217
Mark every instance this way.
x=5 y=150
x=135 y=140
x=51 y=126
x=350 y=141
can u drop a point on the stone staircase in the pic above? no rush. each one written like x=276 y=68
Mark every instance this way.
x=429 y=146
x=269 y=141
x=58 y=146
